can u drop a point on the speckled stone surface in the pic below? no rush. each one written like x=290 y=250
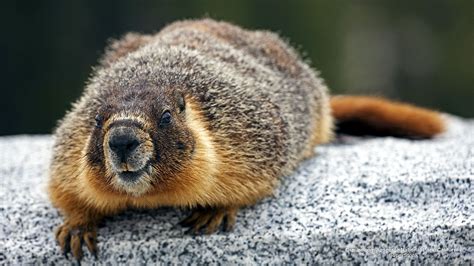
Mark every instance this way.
x=359 y=200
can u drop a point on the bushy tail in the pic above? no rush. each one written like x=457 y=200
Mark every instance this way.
x=360 y=115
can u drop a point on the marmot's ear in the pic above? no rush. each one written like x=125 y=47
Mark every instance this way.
x=118 y=48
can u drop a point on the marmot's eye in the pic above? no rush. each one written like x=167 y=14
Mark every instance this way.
x=181 y=103
x=98 y=121
x=165 y=118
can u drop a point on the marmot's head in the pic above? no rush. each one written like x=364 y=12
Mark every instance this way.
x=140 y=140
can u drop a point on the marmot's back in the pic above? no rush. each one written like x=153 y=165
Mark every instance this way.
x=264 y=46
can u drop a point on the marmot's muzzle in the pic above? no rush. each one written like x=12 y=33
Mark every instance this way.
x=123 y=141
x=128 y=150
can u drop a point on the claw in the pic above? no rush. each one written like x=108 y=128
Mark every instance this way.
x=76 y=247
x=230 y=220
x=89 y=239
x=214 y=223
x=63 y=237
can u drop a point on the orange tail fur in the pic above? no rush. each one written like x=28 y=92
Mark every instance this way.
x=360 y=115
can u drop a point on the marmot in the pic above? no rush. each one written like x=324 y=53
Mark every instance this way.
x=204 y=115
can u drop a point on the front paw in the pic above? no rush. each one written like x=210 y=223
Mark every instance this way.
x=210 y=219
x=70 y=239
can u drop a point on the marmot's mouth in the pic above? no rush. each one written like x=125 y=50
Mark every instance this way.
x=132 y=176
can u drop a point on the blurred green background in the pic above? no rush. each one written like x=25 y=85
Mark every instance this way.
x=415 y=51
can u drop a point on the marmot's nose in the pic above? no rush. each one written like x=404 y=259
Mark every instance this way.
x=123 y=142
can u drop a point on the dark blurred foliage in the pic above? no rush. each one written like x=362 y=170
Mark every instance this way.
x=416 y=51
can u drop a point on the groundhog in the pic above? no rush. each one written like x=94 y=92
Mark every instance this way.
x=203 y=115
